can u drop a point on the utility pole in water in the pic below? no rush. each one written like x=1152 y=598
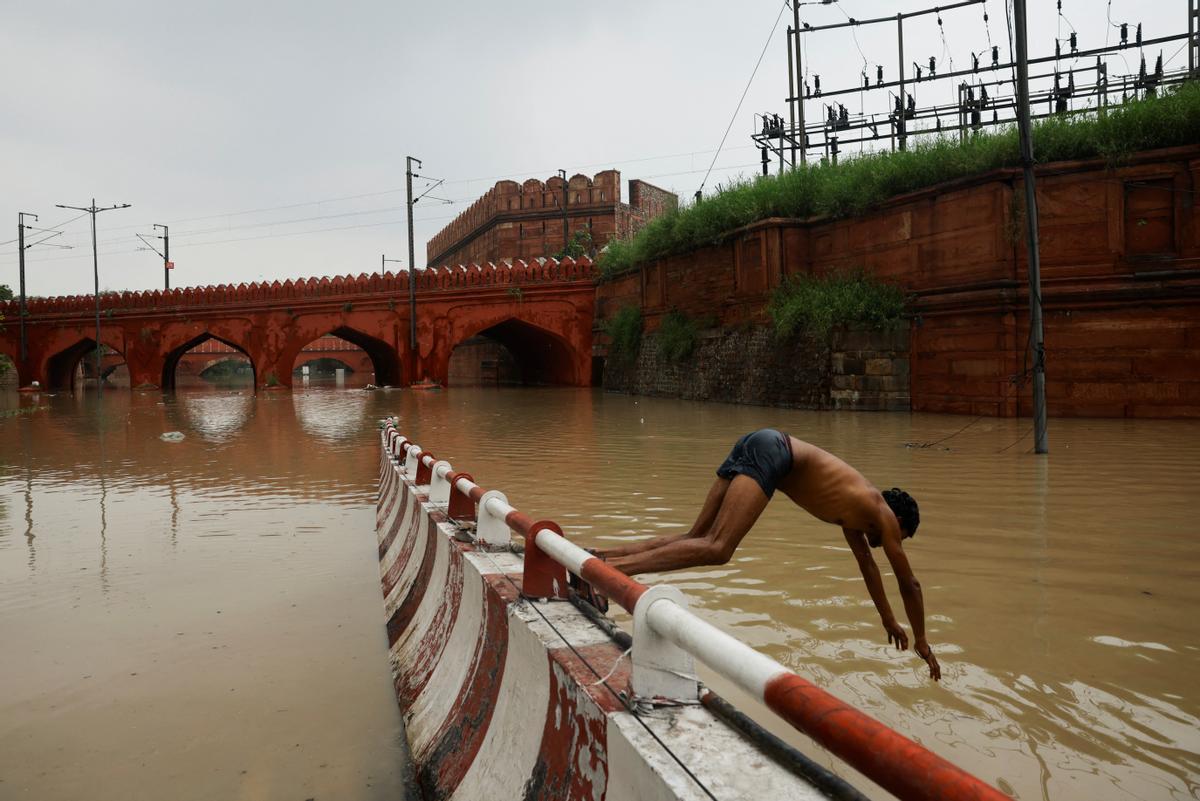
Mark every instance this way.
x=412 y=273
x=1031 y=232
x=23 y=355
x=21 y=262
x=94 y=210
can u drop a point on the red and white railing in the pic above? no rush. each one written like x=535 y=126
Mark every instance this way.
x=668 y=638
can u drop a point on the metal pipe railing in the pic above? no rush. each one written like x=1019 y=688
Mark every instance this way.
x=667 y=637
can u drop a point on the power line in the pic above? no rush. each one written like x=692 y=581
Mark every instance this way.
x=742 y=99
x=431 y=218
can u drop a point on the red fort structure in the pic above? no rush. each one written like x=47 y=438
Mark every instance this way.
x=525 y=221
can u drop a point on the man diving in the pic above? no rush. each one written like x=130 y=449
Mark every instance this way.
x=822 y=485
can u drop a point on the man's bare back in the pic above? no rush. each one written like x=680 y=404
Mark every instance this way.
x=824 y=486
x=829 y=489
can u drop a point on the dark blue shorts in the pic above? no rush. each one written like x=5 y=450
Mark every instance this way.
x=764 y=455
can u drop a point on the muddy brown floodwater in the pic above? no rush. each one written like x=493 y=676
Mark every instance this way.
x=202 y=619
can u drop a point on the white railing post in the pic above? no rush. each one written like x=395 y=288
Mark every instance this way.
x=410 y=461
x=661 y=669
x=491 y=528
x=439 y=487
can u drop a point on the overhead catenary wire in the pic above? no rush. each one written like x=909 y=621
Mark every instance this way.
x=742 y=99
x=245 y=226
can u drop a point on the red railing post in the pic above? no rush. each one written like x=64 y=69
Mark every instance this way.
x=544 y=577
x=424 y=471
x=461 y=506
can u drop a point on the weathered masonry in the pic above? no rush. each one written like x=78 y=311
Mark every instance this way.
x=541 y=312
x=525 y=221
x=1121 y=287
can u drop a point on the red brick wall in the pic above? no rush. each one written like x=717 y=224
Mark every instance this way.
x=1121 y=284
x=525 y=221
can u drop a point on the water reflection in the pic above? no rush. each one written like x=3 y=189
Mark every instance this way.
x=210 y=605
x=216 y=416
x=331 y=416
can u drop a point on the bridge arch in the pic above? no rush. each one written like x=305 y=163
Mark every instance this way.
x=538 y=355
x=13 y=363
x=61 y=367
x=383 y=359
x=171 y=360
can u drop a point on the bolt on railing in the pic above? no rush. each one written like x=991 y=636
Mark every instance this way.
x=668 y=638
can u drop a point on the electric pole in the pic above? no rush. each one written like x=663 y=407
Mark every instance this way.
x=383 y=260
x=1031 y=234
x=563 y=174
x=412 y=274
x=165 y=255
x=94 y=210
x=21 y=261
x=799 y=93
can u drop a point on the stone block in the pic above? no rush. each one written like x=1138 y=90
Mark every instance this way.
x=880 y=383
x=852 y=365
x=879 y=367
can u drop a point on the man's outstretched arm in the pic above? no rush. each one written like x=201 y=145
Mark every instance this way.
x=910 y=591
x=870 y=573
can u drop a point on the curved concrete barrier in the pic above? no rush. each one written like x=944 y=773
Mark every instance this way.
x=510 y=698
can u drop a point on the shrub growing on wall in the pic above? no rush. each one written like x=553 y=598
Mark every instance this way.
x=816 y=304
x=625 y=330
x=677 y=335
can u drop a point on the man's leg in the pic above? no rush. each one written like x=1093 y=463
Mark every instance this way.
x=708 y=513
x=739 y=508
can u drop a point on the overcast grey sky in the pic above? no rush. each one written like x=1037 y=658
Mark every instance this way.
x=271 y=136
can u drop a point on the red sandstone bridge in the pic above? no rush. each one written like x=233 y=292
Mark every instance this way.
x=540 y=312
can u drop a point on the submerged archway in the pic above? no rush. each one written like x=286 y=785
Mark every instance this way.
x=75 y=367
x=362 y=358
x=512 y=352
x=207 y=360
x=9 y=371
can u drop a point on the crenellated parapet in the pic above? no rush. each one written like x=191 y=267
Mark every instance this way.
x=532 y=195
x=348 y=286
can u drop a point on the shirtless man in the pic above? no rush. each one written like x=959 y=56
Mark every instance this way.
x=822 y=485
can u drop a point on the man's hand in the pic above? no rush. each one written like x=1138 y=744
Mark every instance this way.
x=896 y=634
x=925 y=652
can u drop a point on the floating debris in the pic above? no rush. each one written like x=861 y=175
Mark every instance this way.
x=172 y=436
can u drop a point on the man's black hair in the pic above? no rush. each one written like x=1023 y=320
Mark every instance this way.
x=905 y=509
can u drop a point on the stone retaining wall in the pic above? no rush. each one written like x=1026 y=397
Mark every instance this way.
x=862 y=370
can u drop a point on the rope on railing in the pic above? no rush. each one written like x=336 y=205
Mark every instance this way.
x=669 y=638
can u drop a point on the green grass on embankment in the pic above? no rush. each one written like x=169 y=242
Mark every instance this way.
x=858 y=184
x=815 y=304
